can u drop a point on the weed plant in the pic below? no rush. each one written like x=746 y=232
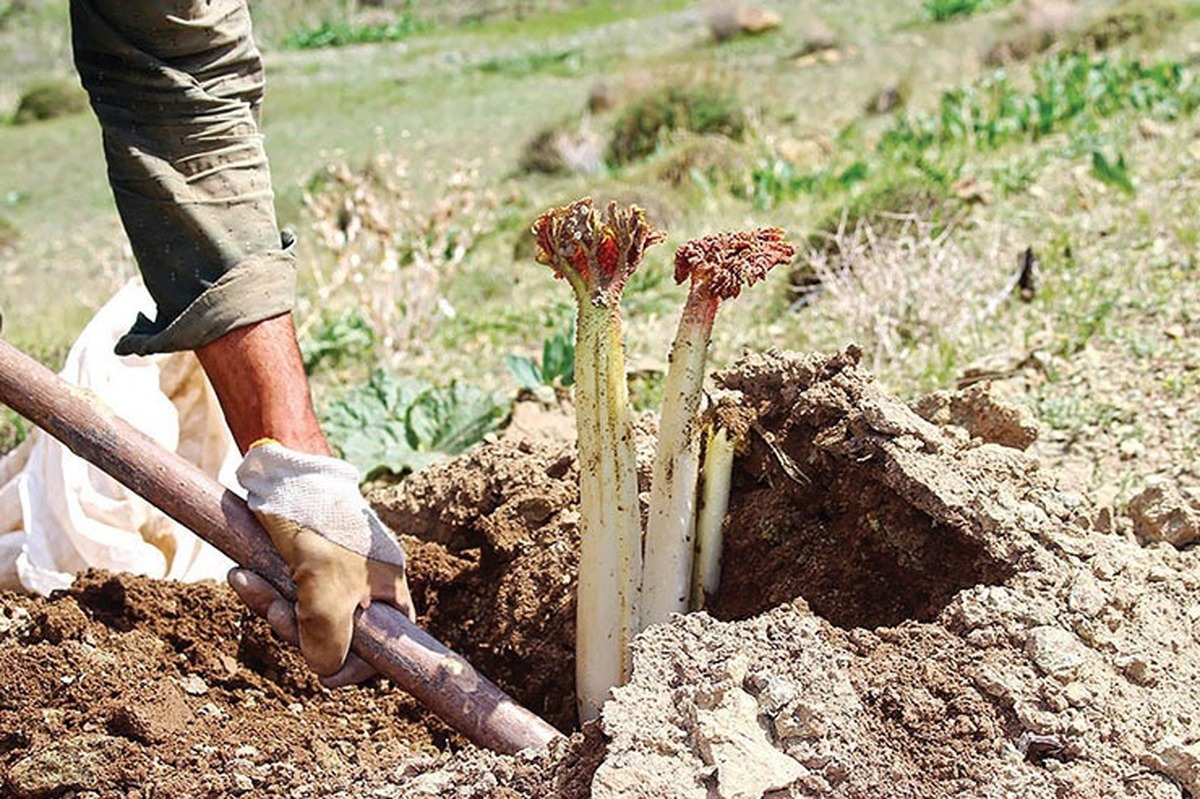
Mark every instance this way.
x=1069 y=92
x=910 y=296
x=49 y=99
x=397 y=425
x=640 y=128
x=387 y=256
x=340 y=33
x=942 y=10
x=1066 y=88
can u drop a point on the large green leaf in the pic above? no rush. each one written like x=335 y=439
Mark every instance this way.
x=400 y=425
x=452 y=418
x=525 y=370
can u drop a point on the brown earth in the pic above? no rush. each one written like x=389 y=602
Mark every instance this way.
x=909 y=607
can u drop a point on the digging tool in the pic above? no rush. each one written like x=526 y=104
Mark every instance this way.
x=384 y=637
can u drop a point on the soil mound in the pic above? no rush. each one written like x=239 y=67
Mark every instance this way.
x=907 y=608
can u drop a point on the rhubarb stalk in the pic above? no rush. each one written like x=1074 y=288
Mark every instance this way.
x=596 y=254
x=719 y=267
x=726 y=437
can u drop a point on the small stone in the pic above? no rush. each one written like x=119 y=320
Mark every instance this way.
x=727 y=20
x=1131 y=448
x=1056 y=652
x=242 y=784
x=1160 y=513
x=194 y=685
x=1149 y=129
x=730 y=738
x=1086 y=597
x=89 y=762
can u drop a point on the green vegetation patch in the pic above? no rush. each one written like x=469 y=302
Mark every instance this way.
x=340 y=33
x=941 y=10
x=1066 y=87
x=50 y=99
x=1069 y=91
x=337 y=339
x=556 y=62
x=399 y=425
x=698 y=108
x=557 y=367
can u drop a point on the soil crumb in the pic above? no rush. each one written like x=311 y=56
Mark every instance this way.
x=908 y=607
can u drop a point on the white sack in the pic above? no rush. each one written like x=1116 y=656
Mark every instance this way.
x=60 y=515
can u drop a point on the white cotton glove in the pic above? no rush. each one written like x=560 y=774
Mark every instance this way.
x=340 y=554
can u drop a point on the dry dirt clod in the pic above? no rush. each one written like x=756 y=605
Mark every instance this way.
x=727 y=20
x=982 y=415
x=78 y=763
x=891 y=626
x=1160 y=513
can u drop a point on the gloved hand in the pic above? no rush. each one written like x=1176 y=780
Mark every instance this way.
x=340 y=554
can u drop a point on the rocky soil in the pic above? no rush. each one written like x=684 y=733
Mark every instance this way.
x=911 y=606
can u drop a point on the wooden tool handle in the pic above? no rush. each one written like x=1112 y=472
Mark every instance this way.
x=384 y=637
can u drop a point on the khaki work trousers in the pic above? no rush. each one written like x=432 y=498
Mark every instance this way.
x=177 y=86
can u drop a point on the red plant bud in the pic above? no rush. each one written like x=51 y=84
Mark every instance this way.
x=724 y=263
x=601 y=252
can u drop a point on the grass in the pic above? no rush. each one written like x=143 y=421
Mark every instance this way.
x=1054 y=143
x=942 y=10
x=341 y=34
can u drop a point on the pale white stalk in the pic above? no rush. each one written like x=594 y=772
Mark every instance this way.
x=670 y=525
x=596 y=256
x=610 y=562
x=716 y=477
x=718 y=267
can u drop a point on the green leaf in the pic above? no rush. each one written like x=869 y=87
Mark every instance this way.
x=558 y=358
x=525 y=370
x=401 y=425
x=1114 y=174
x=337 y=340
x=452 y=418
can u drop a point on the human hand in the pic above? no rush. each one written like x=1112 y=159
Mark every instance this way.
x=340 y=555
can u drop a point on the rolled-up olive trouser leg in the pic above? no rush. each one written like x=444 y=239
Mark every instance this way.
x=177 y=86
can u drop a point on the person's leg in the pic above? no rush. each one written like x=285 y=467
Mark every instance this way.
x=177 y=86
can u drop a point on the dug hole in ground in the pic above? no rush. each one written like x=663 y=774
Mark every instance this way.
x=909 y=607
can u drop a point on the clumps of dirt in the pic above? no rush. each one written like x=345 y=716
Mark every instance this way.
x=124 y=683
x=852 y=501
x=907 y=608
x=978 y=412
x=493 y=550
x=1005 y=650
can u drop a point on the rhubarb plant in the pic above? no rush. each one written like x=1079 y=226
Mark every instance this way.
x=725 y=436
x=596 y=253
x=718 y=268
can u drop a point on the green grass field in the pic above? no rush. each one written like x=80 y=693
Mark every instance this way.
x=915 y=217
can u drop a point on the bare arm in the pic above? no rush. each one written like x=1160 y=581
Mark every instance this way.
x=259 y=378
